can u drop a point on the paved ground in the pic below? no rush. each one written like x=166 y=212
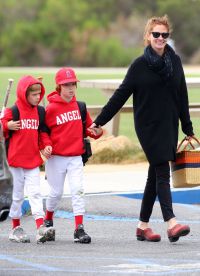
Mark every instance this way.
x=111 y=221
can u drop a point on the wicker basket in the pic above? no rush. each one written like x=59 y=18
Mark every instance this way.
x=186 y=168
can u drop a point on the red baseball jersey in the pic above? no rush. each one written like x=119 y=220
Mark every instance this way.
x=24 y=147
x=65 y=124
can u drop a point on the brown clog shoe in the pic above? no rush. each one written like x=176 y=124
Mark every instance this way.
x=147 y=234
x=177 y=231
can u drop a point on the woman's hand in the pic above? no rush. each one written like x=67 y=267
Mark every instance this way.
x=94 y=132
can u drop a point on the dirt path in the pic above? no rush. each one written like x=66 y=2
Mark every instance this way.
x=110 y=167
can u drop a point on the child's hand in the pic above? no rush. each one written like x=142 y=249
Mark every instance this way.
x=47 y=151
x=94 y=132
x=13 y=125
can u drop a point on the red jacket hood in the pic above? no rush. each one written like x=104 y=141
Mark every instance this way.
x=22 y=87
x=55 y=97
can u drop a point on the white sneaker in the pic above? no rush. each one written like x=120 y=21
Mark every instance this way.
x=44 y=234
x=18 y=234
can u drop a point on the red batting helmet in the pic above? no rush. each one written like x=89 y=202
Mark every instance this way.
x=65 y=75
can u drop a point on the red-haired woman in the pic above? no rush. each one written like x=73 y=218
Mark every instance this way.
x=157 y=82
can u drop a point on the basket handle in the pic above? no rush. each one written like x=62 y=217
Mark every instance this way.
x=189 y=142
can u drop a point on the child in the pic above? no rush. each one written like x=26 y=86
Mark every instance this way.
x=63 y=118
x=24 y=157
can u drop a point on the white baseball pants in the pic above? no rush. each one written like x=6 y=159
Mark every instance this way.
x=57 y=167
x=29 y=179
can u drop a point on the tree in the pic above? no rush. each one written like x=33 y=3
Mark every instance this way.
x=184 y=15
x=88 y=32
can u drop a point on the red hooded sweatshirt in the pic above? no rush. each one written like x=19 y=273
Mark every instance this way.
x=65 y=124
x=23 y=148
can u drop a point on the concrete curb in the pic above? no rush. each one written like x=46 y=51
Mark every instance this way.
x=182 y=196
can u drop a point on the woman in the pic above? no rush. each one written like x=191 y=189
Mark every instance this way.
x=157 y=82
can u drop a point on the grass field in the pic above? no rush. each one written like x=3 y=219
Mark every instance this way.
x=90 y=96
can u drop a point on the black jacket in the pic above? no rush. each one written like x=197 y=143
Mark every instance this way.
x=158 y=106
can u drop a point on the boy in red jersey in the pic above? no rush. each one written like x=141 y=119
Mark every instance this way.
x=24 y=157
x=63 y=118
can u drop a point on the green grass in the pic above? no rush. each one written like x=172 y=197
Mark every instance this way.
x=90 y=96
x=127 y=127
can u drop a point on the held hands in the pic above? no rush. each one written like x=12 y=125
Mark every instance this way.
x=94 y=132
x=13 y=125
x=46 y=152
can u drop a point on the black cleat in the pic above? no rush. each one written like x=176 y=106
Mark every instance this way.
x=81 y=236
x=48 y=222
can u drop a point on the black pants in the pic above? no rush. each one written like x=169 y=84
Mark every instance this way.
x=157 y=185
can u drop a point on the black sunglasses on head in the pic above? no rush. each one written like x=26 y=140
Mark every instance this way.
x=157 y=35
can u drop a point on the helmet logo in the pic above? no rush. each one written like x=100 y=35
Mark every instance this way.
x=68 y=74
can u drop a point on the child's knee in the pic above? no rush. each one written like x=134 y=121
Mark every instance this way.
x=78 y=191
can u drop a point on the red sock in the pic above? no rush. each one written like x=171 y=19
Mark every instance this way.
x=39 y=222
x=15 y=223
x=78 y=220
x=49 y=215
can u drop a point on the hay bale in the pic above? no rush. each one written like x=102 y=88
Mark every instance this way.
x=110 y=149
x=111 y=143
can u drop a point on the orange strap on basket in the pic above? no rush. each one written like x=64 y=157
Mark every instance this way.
x=189 y=142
